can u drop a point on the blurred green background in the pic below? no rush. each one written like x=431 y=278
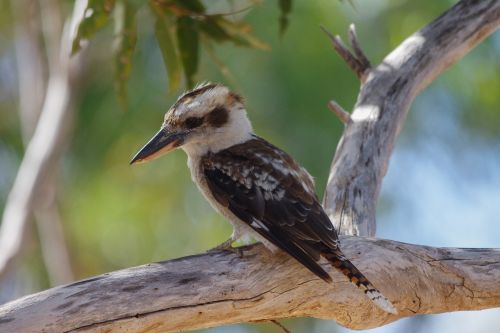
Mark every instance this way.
x=116 y=216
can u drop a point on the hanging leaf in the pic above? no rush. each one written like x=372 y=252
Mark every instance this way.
x=178 y=26
x=285 y=8
x=95 y=17
x=240 y=33
x=126 y=40
x=212 y=28
x=195 y=6
x=220 y=29
x=179 y=8
x=164 y=34
x=188 y=40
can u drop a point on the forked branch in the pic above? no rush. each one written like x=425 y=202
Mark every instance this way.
x=386 y=94
x=357 y=61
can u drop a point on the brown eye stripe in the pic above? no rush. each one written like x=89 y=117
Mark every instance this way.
x=218 y=116
x=193 y=122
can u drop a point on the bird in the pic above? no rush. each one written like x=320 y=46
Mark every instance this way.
x=260 y=189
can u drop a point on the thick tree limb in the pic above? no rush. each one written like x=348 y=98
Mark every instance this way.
x=385 y=97
x=220 y=288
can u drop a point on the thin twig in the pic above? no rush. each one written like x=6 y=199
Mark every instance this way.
x=342 y=50
x=342 y=114
x=356 y=46
x=357 y=61
x=280 y=325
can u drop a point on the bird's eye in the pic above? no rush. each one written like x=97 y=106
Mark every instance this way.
x=193 y=122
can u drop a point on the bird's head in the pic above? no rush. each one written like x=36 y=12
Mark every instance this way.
x=207 y=118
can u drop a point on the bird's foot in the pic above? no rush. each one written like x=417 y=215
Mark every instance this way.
x=224 y=246
x=228 y=246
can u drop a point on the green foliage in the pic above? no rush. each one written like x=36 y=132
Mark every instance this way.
x=165 y=36
x=169 y=52
x=126 y=40
x=286 y=8
x=96 y=16
x=189 y=40
x=240 y=33
x=179 y=26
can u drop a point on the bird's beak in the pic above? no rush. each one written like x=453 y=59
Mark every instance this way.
x=163 y=142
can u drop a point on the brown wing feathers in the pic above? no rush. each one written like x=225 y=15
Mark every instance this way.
x=247 y=204
x=269 y=191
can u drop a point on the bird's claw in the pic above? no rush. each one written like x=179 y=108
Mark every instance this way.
x=228 y=246
x=225 y=246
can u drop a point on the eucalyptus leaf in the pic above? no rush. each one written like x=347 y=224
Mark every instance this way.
x=164 y=34
x=95 y=17
x=220 y=29
x=194 y=6
x=240 y=33
x=212 y=28
x=188 y=40
x=126 y=40
x=285 y=8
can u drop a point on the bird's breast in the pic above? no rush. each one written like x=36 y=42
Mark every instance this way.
x=241 y=228
x=198 y=177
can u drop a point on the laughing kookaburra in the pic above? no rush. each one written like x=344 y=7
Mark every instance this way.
x=259 y=188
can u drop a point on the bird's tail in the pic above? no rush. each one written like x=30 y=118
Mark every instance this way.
x=340 y=262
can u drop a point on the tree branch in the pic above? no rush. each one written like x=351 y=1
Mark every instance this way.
x=30 y=68
x=42 y=151
x=385 y=97
x=219 y=288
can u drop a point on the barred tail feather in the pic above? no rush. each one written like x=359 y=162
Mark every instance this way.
x=380 y=300
x=339 y=261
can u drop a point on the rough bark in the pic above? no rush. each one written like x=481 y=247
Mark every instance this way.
x=220 y=288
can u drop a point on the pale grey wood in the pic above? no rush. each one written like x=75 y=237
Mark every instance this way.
x=386 y=94
x=221 y=288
